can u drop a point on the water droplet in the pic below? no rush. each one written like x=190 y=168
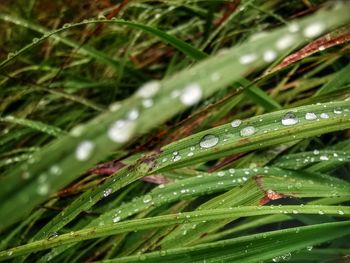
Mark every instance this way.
x=190 y=154
x=309 y=248
x=148 y=89
x=287 y=256
x=310 y=116
x=191 y=94
x=314 y=29
x=107 y=192
x=295 y=211
x=269 y=55
x=43 y=189
x=236 y=123
x=66 y=25
x=247 y=58
x=324 y=116
x=55 y=169
x=52 y=236
x=84 y=150
x=133 y=114
x=324 y=158
x=293 y=27
x=113 y=107
x=321 y=212
x=209 y=141
x=121 y=131
x=276 y=259
x=35 y=40
x=247 y=131
x=285 y=42
x=116 y=219
x=316 y=152
x=147 y=103
x=321 y=48
x=221 y=173
x=77 y=131
x=340 y=212
x=289 y=119
x=177 y=158
x=338 y=111
x=147 y=198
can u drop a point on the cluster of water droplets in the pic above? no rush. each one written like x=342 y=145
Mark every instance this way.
x=285 y=41
x=284 y=257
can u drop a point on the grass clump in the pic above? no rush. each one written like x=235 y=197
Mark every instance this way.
x=174 y=131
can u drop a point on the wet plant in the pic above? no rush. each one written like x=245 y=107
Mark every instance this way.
x=174 y=131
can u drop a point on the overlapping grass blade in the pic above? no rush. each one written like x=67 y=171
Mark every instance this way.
x=151 y=222
x=263 y=246
x=61 y=152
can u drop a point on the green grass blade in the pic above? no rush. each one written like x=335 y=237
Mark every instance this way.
x=259 y=247
x=147 y=223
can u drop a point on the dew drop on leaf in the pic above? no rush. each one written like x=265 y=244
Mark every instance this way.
x=247 y=58
x=147 y=198
x=177 y=158
x=324 y=116
x=43 y=189
x=338 y=111
x=289 y=119
x=324 y=158
x=221 y=173
x=52 y=236
x=269 y=55
x=236 y=123
x=191 y=94
x=314 y=29
x=84 y=150
x=247 y=131
x=285 y=42
x=209 y=141
x=149 y=89
x=116 y=219
x=147 y=103
x=310 y=116
x=121 y=131
x=107 y=192
x=133 y=114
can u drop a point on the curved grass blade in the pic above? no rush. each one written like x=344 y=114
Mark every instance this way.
x=177 y=43
x=252 y=248
x=36 y=125
x=340 y=81
x=299 y=160
x=166 y=220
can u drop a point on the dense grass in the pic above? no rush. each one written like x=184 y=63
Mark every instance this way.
x=174 y=131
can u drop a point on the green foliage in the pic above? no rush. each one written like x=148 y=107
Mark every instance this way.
x=174 y=131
